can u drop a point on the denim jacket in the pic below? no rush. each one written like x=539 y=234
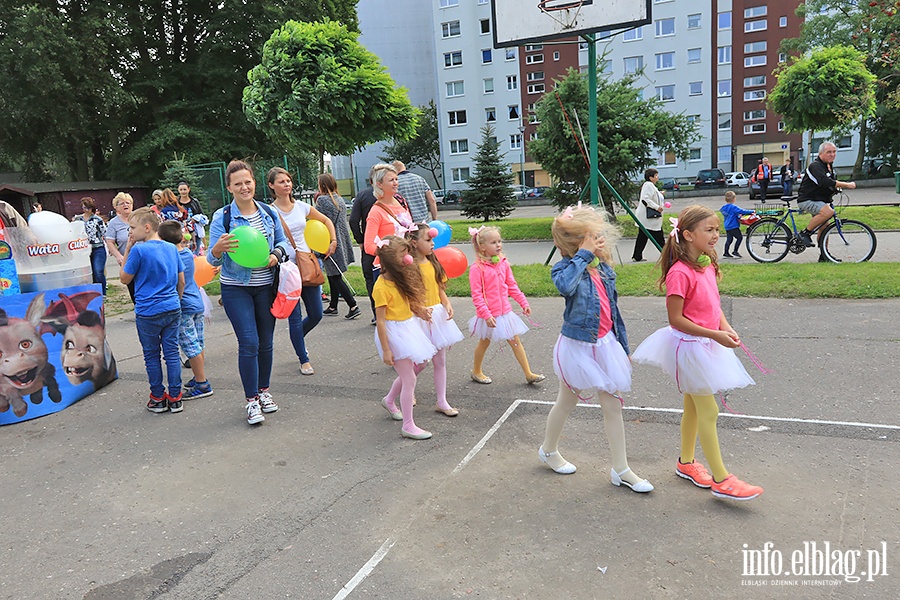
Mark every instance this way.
x=274 y=235
x=581 y=319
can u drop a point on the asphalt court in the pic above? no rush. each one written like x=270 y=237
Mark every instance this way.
x=110 y=501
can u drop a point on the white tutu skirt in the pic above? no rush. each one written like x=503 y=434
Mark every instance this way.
x=407 y=340
x=442 y=330
x=591 y=367
x=698 y=365
x=508 y=327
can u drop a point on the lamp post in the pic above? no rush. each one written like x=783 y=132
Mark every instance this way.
x=522 y=156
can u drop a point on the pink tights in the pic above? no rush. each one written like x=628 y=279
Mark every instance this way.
x=439 y=361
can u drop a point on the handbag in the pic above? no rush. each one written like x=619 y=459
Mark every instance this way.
x=310 y=270
x=652 y=213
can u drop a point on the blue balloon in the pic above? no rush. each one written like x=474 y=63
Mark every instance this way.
x=444 y=233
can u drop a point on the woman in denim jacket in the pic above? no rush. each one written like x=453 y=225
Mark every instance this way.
x=591 y=354
x=247 y=293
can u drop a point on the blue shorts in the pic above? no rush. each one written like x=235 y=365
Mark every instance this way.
x=190 y=334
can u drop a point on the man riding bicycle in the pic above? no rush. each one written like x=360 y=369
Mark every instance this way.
x=818 y=186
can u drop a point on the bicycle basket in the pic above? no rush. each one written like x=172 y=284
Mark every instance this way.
x=769 y=210
x=748 y=219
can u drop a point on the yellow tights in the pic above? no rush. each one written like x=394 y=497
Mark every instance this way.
x=518 y=351
x=700 y=415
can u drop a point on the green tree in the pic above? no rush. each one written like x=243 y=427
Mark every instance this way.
x=177 y=171
x=828 y=89
x=318 y=89
x=628 y=129
x=489 y=195
x=421 y=150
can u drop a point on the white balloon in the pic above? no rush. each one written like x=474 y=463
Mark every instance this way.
x=50 y=227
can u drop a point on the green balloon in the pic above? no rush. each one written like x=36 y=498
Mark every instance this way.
x=253 y=247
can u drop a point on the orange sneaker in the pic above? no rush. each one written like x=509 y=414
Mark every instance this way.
x=733 y=488
x=695 y=472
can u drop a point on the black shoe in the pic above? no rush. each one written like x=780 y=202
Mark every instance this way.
x=187 y=363
x=175 y=404
x=806 y=239
x=373 y=321
x=726 y=256
x=639 y=259
x=354 y=312
x=157 y=405
x=736 y=255
x=330 y=311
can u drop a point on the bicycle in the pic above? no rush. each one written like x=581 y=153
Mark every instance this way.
x=841 y=240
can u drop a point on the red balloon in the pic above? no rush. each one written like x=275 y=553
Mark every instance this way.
x=453 y=260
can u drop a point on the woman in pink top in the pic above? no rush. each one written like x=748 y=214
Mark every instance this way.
x=492 y=284
x=697 y=349
x=388 y=216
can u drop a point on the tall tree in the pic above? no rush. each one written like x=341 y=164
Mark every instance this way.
x=629 y=127
x=318 y=89
x=828 y=89
x=489 y=195
x=423 y=149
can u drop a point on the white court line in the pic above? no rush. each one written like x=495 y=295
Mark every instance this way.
x=365 y=570
x=477 y=448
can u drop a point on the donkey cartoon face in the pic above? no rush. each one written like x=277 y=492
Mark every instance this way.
x=23 y=357
x=85 y=355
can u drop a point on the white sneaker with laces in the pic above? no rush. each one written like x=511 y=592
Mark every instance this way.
x=254 y=414
x=267 y=403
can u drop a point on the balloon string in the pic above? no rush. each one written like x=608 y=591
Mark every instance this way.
x=755 y=360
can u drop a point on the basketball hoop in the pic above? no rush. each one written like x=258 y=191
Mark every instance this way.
x=567 y=11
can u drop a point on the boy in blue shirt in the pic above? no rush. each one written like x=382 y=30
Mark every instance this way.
x=190 y=331
x=158 y=278
x=732 y=213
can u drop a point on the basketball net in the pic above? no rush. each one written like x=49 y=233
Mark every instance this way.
x=564 y=12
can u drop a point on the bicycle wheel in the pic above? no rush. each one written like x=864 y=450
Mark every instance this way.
x=768 y=241
x=848 y=241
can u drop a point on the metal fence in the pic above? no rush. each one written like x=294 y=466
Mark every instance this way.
x=214 y=193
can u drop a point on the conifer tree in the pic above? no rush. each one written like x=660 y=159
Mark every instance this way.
x=489 y=195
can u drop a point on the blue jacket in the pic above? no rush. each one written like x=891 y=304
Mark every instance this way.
x=731 y=212
x=581 y=319
x=274 y=235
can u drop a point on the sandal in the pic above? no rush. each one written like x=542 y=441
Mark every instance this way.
x=481 y=378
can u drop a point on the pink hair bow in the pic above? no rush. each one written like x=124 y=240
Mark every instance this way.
x=567 y=214
x=674 y=233
x=473 y=231
x=380 y=243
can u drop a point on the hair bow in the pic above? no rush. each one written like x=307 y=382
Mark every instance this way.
x=674 y=233
x=567 y=214
x=380 y=243
x=473 y=231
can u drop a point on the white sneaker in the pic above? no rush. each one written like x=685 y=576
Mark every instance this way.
x=254 y=414
x=267 y=403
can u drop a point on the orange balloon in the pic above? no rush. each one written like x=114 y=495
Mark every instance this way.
x=203 y=271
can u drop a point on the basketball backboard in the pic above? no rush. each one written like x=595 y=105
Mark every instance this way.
x=518 y=22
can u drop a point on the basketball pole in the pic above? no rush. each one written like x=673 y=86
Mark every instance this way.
x=591 y=40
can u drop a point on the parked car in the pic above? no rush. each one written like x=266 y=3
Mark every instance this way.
x=773 y=191
x=710 y=178
x=448 y=196
x=518 y=191
x=536 y=192
x=668 y=183
x=739 y=179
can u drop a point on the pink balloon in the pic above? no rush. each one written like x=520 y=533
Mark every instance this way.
x=668 y=205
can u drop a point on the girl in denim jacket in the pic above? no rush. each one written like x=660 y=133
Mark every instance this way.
x=591 y=354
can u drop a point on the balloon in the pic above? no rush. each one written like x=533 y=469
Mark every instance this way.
x=317 y=236
x=452 y=259
x=50 y=227
x=444 y=233
x=253 y=247
x=668 y=205
x=203 y=271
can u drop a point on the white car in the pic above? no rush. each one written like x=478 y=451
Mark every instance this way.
x=738 y=179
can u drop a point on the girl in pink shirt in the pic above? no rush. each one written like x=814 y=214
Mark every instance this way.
x=697 y=349
x=492 y=284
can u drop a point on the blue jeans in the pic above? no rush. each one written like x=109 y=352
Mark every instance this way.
x=298 y=326
x=161 y=332
x=98 y=266
x=786 y=186
x=248 y=309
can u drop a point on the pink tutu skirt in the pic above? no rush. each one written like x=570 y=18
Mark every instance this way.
x=508 y=327
x=589 y=367
x=407 y=340
x=442 y=330
x=698 y=365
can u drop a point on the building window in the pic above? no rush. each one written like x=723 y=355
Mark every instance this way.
x=459 y=175
x=754 y=95
x=457 y=117
x=666 y=159
x=513 y=111
x=755 y=81
x=459 y=146
x=666 y=60
x=488 y=85
x=758 y=60
x=724 y=154
x=724 y=121
x=782 y=21
x=633 y=64
x=755 y=128
x=844 y=142
x=452 y=59
x=510 y=54
x=693 y=119
x=535 y=76
x=446 y=3
x=490 y=114
x=724 y=88
x=753 y=47
x=755 y=26
x=780 y=125
x=695 y=154
x=665 y=93
x=782 y=57
x=533 y=47
x=695 y=88
x=556 y=55
x=450 y=29
x=725 y=20
x=533 y=119
x=533 y=136
x=536 y=88
x=693 y=55
x=755 y=11
x=694 y=21
x=515 y=141
x=724 y=55
x=512 y=82
x=485 y=26
x=487 y=56
x=754 y=115
x=665 y=27
x=455 y=88
x=631 y=35
x=533 y=59
x=483 y=1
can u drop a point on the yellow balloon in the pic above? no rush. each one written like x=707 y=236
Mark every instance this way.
x=317 y=236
